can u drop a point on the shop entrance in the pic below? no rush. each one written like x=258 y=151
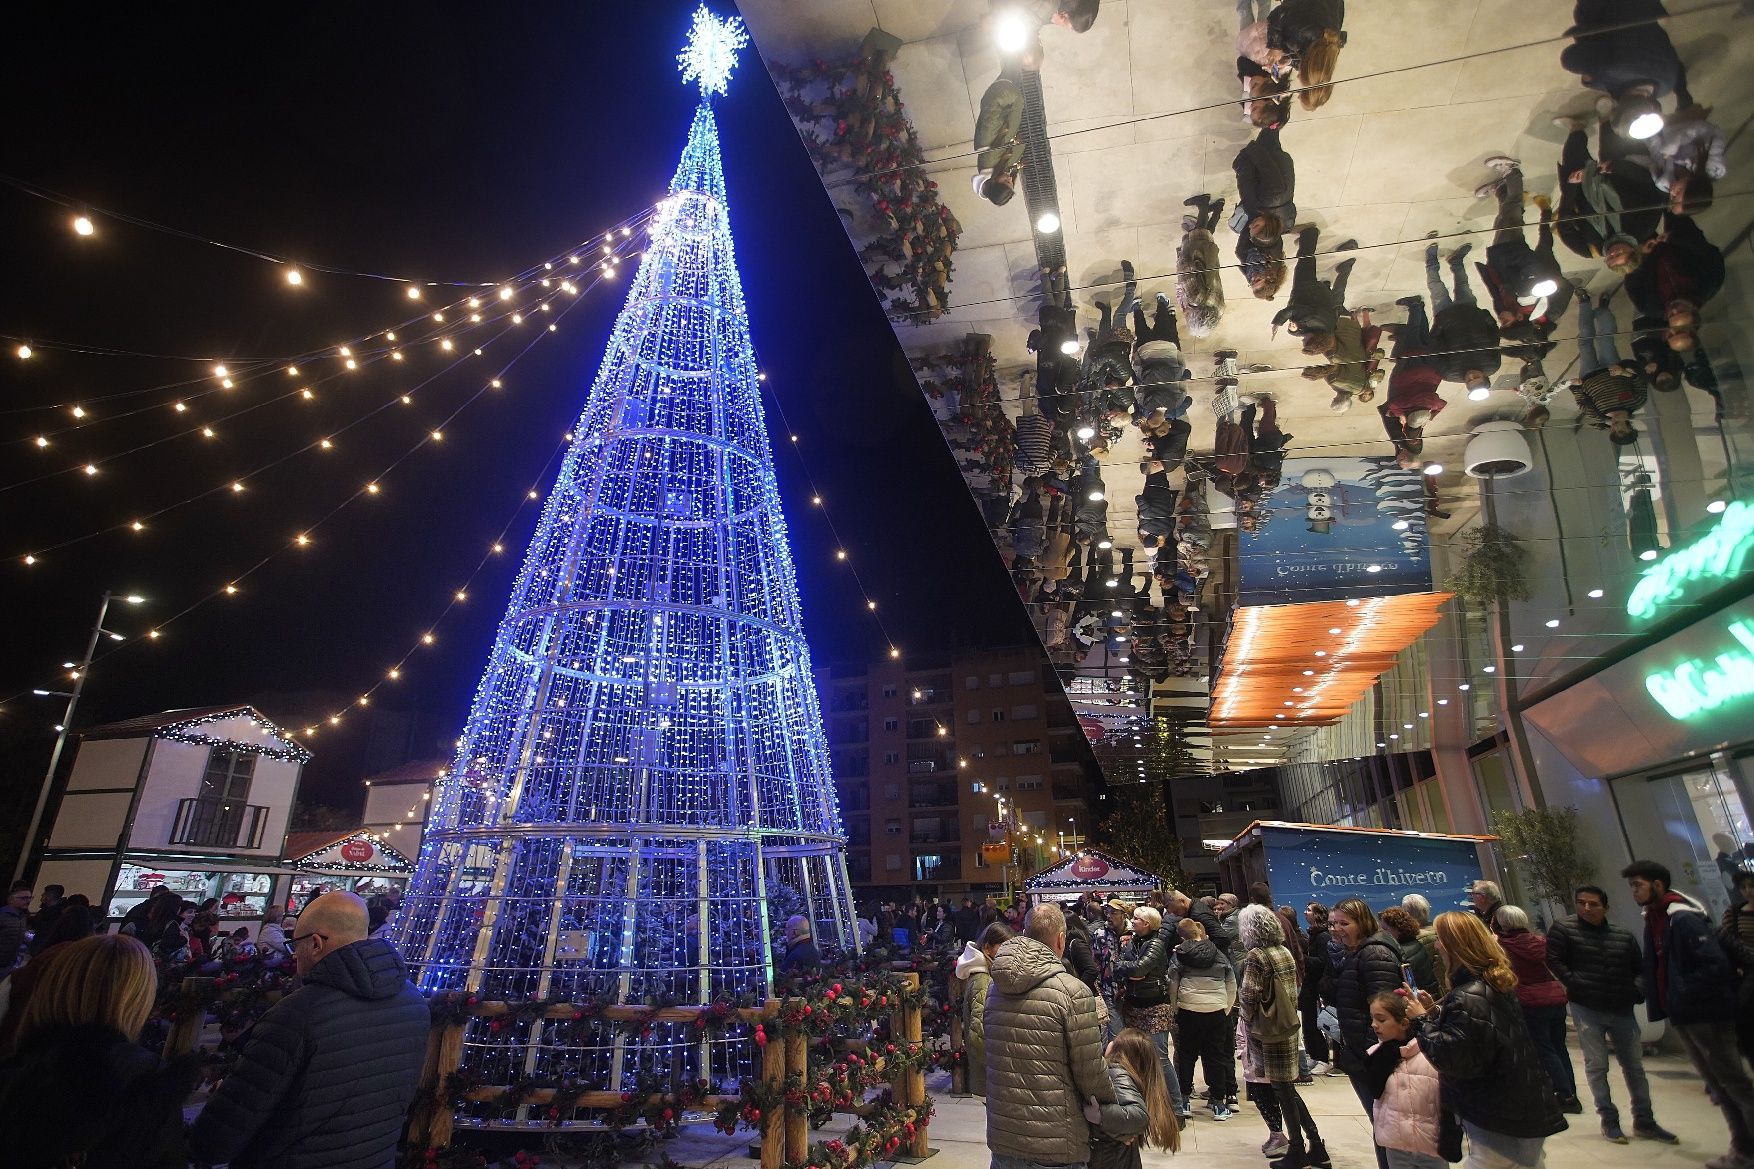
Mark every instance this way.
x=1694 y=821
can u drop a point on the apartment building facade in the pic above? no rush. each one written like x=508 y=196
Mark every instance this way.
x=923 y=751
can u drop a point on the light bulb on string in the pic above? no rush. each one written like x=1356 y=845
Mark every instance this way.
x=294 y=277
x=413 y=293
x=82 y=225
x=24 y=352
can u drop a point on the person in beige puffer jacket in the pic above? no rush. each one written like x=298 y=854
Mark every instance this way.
x=1044 y=1051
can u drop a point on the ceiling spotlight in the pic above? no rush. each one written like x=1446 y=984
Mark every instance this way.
x=1475 y=394
x=1096 y=497
x=1553 y=623
x=1517 y=648
x=1648 y=554
x=1048 y=223
x=1435 y=469
x=1595 y=594
x=1104 y=545
x=1011 y=31
x=1352 y=603
x=1716 y=507
x=1069 y=346
x=1087 y=433
x=1645 y=125
x=1544 y=287
x=1334 y=629
x=1373 y=568
x=1401 y=525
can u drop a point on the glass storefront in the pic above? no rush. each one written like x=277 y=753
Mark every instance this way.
x=241 y=895
x=1694 y=819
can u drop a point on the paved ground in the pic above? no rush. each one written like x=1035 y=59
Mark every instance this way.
x=959 y=1131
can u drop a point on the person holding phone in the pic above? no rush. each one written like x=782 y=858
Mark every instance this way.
x=1401 y=925
x=1475 y=1037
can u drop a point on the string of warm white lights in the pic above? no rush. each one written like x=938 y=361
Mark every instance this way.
x=428 y=635
x=326 y=442
x=85 y=217
x=388 y=342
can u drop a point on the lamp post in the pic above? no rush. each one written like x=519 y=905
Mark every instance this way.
x=79 y=672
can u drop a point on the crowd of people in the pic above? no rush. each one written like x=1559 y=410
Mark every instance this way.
x=1624 y=215
x=1451 y=1030
x=323 y=1080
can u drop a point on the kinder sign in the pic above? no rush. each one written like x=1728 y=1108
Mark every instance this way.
x=1089 y=868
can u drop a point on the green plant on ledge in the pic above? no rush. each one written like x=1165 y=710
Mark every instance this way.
x=1549 y=846
x=1489 y=568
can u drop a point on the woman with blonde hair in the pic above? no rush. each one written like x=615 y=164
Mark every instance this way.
x=1143 y=993
x=92 y=1096
x=1476 y=1039
x=1308 y=32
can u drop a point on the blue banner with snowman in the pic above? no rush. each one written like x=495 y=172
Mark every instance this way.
x=1337 y=528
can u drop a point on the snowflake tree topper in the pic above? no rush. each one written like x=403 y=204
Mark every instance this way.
x=712 y=50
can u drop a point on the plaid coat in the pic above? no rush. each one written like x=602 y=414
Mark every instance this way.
x=1276 y=1062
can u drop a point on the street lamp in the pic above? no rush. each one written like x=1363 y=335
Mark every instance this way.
x=79 y=672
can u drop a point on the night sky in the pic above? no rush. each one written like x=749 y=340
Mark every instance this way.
x=433 y=142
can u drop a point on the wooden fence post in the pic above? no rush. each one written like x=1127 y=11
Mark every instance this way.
x=797 y=1119
x=444 y=1055
x=910 y=1085
x=773 y=1074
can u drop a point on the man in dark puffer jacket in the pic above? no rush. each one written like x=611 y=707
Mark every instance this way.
x=1600 y=965
x=327 y=1075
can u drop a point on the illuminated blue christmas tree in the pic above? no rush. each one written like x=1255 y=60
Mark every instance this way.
x=644 y=769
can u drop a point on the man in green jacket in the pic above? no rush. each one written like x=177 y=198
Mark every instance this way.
x=995 y=137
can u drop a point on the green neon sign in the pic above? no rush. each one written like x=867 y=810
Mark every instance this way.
x=1715 y=557
x=1698 y=687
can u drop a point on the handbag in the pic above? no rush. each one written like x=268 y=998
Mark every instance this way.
x=1276 y=1018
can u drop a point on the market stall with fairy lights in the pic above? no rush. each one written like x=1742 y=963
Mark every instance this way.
x=1092 y=871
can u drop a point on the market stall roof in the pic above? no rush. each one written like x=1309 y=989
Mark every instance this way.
x=1092 y=871
x=421 y=771
x=191 y=725
x=354 y=851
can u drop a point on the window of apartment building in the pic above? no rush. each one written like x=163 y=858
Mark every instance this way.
x=979 y=821
x=889 y=691
x=972 y=682
x=998 y=714
x=892 y=863
x=890 y=724
x=1029 y=783
x=1003 y=785
x=974 y=716
x=995 y=679
x=892 y=791
x=1024 y=711
x=892 y=757
x=892 y=826
x=978 y=753
x=1022 y=677
x=1035 y=819
x=1025 y=746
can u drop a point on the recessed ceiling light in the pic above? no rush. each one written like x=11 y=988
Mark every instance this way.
x=1648 y=554
x=1517 y=648
x=1490 y=669
x=1400 y=525
x=1553 y=623
x=1596 y=594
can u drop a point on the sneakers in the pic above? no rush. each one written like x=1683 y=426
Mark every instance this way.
x=1320 y=1067
x=1276 y=1145
x=1612 y=1132
x=1221 y=1111
x=1503 y=163
x=1483 y=191
x=1652 y=1131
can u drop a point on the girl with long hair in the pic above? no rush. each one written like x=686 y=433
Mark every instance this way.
x=1142 y=1113
x=1476 y=1039
x=1408 y=1117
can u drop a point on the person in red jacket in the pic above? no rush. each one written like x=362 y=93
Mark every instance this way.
x=1413 y=398
x=1543 y=999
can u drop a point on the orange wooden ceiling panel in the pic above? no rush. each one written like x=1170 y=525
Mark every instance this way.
x=1305 y=665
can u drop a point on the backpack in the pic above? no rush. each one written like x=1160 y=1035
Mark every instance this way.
x=1276 y=1017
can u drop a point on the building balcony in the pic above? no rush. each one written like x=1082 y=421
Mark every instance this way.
x=228 y=824
x=932 y=795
